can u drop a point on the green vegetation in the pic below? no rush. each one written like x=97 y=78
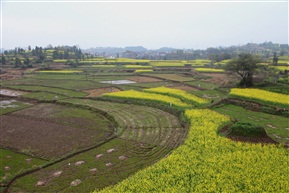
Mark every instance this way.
x=44 y=96
x=209 y=162
x=276 y=126
x=203 y=84
x=246 y=129
x=58 y=91
x=13 y=163
x=173 y=77
x=7 y=106
x=161 y=137
x=209 y=70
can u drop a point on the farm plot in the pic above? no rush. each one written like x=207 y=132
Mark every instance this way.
x=12 y=163
x=94 y=169
x=8 y=92
x=62 y=130
x=99 y=91
x=204 y=85
x=9 y=105
x=277 y=127
x=144 y=79
x=222 y=78
x=208 y=162
x=262 y=96
x=132 y=116
x=56 y=83
x=173 y=77
x=145 y=136
x=209 y=94
x=64 y=92
x=150 y=97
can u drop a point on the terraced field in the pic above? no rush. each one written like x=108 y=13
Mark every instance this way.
x=62 y=130
x=144 y=135
x=65 y=140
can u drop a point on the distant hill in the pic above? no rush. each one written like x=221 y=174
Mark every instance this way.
x=135 y=49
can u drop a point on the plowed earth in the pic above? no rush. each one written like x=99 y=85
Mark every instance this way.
x=50 y=137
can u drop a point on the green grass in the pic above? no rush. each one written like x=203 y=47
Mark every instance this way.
x=209 y=94
x=209 y=70
x=144 y=137
x=59 y=83
x=14 y=106
x=203 y=84
x=59 y=71
x=60 y=76
x=55 y=91
x=155 y=84
x=276 y=126
x=90 y=180
x=138 y=67
x=167 y=64
x=44 y=96
x=128 y=115
x=17 y=163
x=172 y=77
x=104 y=66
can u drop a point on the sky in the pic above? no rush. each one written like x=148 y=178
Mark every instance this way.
x=183 y=25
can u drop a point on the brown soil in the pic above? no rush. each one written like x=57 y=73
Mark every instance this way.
x=44 y=139
x=12 y=74
x=142 y=79
x=99 y=91
x=222 y=78
x=260 y=139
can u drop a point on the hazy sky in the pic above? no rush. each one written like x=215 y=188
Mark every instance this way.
x=196 y=25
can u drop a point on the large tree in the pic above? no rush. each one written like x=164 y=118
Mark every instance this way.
x=245 y=66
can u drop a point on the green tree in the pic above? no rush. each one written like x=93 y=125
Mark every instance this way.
x=244 y=65
x=275 y=58
x=18 y=62
x=3 y=59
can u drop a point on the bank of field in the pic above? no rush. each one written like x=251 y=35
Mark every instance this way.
x=261 y=96
x=211 y=163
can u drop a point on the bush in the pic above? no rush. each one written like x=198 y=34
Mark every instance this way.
x=246 y=129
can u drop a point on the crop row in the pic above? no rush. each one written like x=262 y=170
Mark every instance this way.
x=209 y=70
x=143 y=71
x=60 y=71
x=60 y=91
x=139 y=95
x=207 y=162
x=137 y=66
x=189 y=98
x=262 y=96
